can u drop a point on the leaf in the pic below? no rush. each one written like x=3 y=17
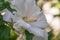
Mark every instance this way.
x=36 y=0
x=29 y=36
x=7 y=4
x=13 y=35
x=1 y=19
x=58 y=37
x=58 y=15
x=50 y=35
x=1 y=0
x=58 y=0
x=2 y=6
x=4 y=32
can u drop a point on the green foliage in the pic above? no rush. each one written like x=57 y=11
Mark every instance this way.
x=58 y=5
x=58 y=0
x=58 y=37
x=29 y=36
x=36 y=0
x=1 y=20
x=50 y=35
x=7 y=4
x=4 y=32
x=13 y=35
x=58 y=15
x=4 y=5
x=53 y=4
x=5 y=29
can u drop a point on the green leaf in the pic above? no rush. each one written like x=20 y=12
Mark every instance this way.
x=1 y=0
x=7 y=4
x=58 y=15
x=58 y=5
x=53 y=4
x=2 y=6
x=58 y=37
x=4 y=32
x=29 y=36
x=50 y=35
x=36 y=0
x=13 y=35
x=58 y=0
x=1 y=17
x=1 y=20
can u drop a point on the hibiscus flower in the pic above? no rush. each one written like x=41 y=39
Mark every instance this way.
x=28 y=17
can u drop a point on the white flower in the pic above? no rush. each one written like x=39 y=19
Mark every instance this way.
x=54 y=11
x=49 y=18
x=50 y=12
x=46 y=6
x=55 y=25
x=28 y=9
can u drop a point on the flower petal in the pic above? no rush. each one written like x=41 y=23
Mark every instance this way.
x=38 y=32
x=8 y=16
x=41 y=21
x=13 y=2
x=20 y=24
x=31 y=9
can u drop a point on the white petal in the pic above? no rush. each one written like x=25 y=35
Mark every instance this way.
x=18 y=28
x=13 y=2
x=41 y=24
x=54 y=11
x=20 y=7
x=41 y=21
x=47 y=6
x=55 y=23
x=31 y=9
x=49 y=18
x=8 y=16
x=21 y=24
x=37 y=32
x=26 y=8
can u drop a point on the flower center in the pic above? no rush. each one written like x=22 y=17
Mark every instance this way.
x=26 y=19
